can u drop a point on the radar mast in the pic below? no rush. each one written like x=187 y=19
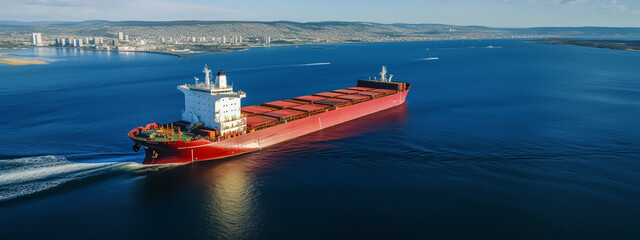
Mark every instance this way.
x=383 y=74
x=207 y=75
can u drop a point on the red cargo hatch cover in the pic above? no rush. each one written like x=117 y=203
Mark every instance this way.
x=281 y=104
x=328 y=94
x=346 y=91
x=354 y=97
x=309 y=98
x=310 y=108
x=371 y=93
x=256 y=109
x=283 y=113
x=360 y=88
x=255 y=120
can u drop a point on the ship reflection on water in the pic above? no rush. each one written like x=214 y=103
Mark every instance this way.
x=221 y=198
x=230 y=188
x=214 y=199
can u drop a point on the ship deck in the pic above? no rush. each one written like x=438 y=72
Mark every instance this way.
x=273 y=113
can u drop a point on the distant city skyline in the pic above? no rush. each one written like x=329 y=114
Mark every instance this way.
x=492 y=13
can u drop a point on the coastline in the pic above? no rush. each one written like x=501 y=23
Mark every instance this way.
x=631 y=46
x=178 y=55
x=227 y=50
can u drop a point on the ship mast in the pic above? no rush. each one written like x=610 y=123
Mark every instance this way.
x=207 y=75
x=383 y=74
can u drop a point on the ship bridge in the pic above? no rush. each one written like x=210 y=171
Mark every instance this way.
x=214 y=104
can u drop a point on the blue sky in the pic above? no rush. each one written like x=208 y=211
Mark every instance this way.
x=493 y=13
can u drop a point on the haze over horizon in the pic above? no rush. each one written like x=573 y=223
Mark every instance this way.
x=491 y=13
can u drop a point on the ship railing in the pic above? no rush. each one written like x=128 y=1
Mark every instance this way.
x=204 y=86
x=212 y=89
x=165 y=132
x=141 y=129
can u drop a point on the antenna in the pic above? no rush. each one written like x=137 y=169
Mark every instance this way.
x=207 y=74
x=196 y=80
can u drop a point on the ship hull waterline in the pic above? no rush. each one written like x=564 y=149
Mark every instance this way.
x=201 y=150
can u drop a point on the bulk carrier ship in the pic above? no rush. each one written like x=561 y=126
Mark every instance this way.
x=214 y=125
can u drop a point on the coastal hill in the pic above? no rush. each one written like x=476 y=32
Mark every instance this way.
x=295 y=32
x=280 y=30
x=187 y=38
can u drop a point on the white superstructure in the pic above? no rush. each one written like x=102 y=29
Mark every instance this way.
x=213 y=103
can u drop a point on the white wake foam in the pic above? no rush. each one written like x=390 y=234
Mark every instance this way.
x=312 y=64
x=29 y=175
x=429 y=59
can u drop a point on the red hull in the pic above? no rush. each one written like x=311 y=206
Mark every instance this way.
x=200 y=150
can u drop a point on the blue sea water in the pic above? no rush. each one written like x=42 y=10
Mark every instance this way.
x=498 y=139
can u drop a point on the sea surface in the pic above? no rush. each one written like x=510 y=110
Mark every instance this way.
x=498 y=139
